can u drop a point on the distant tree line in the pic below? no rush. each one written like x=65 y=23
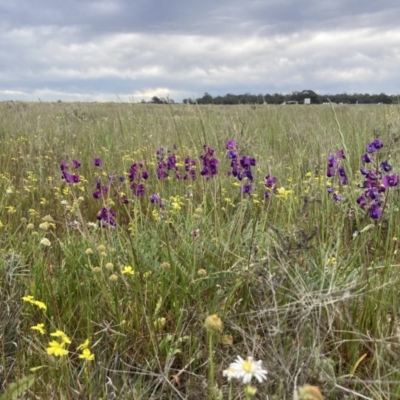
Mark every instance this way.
x=277 y=98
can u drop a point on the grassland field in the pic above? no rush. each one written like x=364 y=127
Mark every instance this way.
x=124 y=227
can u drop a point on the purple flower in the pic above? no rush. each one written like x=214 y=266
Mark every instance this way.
x=138 y=189
x=230 y=145
x=107 y=217
x=385 y=166
x=246 y=189
x=340 y=154
x=97 y=162
x=343 y=177
x=232 y=154
x=63 y=166
x=374 y=146
x=366 y=158
x=145 y=175
x=361 y=201
x=372 y=194
x=171 y=162
x=332 y=163
x=76 y=163
x=330 y=172
x=155 y=198
x=247 y=162
x=270 y=181
x=71 y=178
x=364 y=171
x=375 y=212
x=337 y=197
x=329 y=189
x=390 y=180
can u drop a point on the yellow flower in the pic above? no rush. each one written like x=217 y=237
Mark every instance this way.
x=39 y=304
x=146 y=274
x=283 y=193
x=84 y=345
x=64 y=338
x=176 y=206
x=11 y=210
x=332 y=260
x=128 y=270
x=89 y=251
x=39 y=327
x=87 y=355
x=31 y=299
x=28 y=298
x=57 y=349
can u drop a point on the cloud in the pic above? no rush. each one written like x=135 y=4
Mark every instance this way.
x=97 y=49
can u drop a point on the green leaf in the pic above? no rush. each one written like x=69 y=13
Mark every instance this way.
x=367 y=228
x=17 y=389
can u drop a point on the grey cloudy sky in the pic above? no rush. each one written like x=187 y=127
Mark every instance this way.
x=96 y=50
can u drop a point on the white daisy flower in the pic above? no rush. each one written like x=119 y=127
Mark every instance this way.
x=247 y=369
x=230 y=373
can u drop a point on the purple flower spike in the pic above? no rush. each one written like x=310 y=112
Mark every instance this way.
x=390 y=180
x=97 y=162
x=76 y=163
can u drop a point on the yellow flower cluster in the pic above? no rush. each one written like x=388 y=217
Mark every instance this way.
x=58 y=348
x=30 y=299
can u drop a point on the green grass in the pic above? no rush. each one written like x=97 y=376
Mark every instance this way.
x=291 y=283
